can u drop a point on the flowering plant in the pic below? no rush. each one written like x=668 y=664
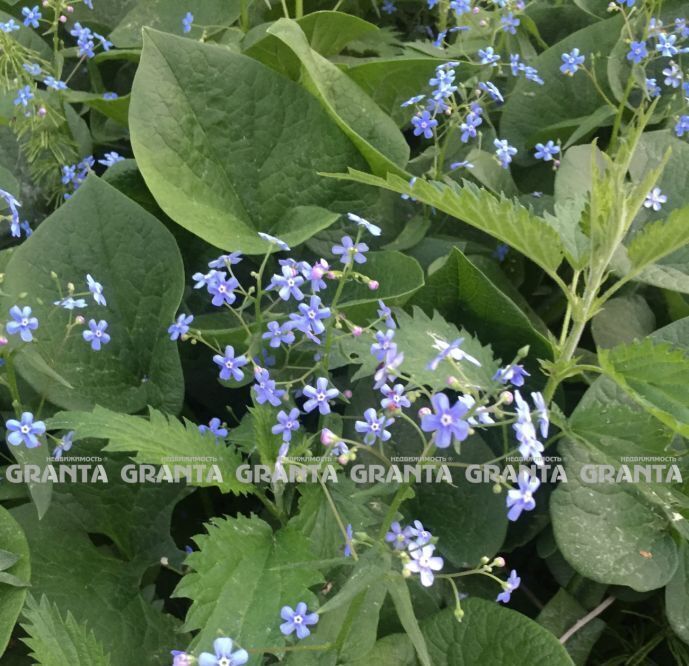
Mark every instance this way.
x=344 y=335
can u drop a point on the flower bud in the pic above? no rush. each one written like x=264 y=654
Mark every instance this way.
x=357 y=331
x=69 y=9
x=63 y=19
x=373 y=285
x=347 y=394
x=485 y=560
x=499 y=562
x=42 y=112
x=3 y=340
x=424 y=411
x=164 y=562
x=497 y=489
x=79 y=319
x=459 y=614
x=328 y=437
x=506 y=397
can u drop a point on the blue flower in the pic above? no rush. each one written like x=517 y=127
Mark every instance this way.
x=531 y=74
x=298 y=620
x=309 y=319
x=389 y=7
x=24 y=95
x=97 y=335
x=492 y=90
x=572 y=62
x=187 y=22
x=265 y=388
x=682 y=126
x=96 y=288
x=418 y=533
x=383 y=344
x=388 y=368
x=225 y=260
x=464 y=164
x=673 y=76
x=25 y=431
x=546 y=151
x=424 y=124
x=374 y=427
x=215 y=427
x=652 y=88
x=64 y=445
x=288 y=284
x=481 y=413
x=385 y=313
x=373 y=229
x=111 y=158
x=229 y=365
x=512 y=583
x=23 y=323
x=110 y=96
x=460 y=6
x=509 y=23
x=504 y=152
x=397 y=537
x=394 y=399
x=514 y=373
x=655 y=199
x=423 y=562
x=55 y=84
x=223 y=654
x=488 y=56
x=278 y=334
x=529 y=446
x=180 y=327
x=447 y=422
x=31 y=16
x=637 y=52
x=32 y=68
x=69 y=303
x=500 y=252
x=521 y=498
x=452 y=350
x=222 y=289
x=274 y=241
x=666 y=45
x=348 y=538
x=287 y=424
x=350 y=251
x=413 y=100
x=542 y=411
x=181 y=658
x=9 y=26
x=14 y=206
x=320 y=396
x=469 y=125
x=85 y=40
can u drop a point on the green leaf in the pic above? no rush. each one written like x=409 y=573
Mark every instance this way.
x=117 y=109
x=473 y=522
x=101 y=232
x=502 y=218
x=395 y=649
x=492 y=634
x=55 y=640
x=154 y=441
x=7 y=559
x=399 y=592
x=603 y=529
x=12 y=598
x=531 y=107
x=166 y=15
x=622 y=320
x=209 y=134
x=465 y=295
x=236 y=587
x=677 y=597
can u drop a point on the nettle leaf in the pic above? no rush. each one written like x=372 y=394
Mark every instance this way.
x=464 y=295
x=621 y=320
x=166 y=15
x=490 y=634
x=55 y=640
x=532 y=111
x=604 y=529
x=101 y=232
x=502 y=218
x=95 y=585
x=654 y=375
x=155 y=440
x=12 y=597
x=219 y=140
x=677 y=597
x=238 y=583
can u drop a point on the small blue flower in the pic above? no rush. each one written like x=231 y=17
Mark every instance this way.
x=682 y=126
x=413 y=100
x=655 y=199
x=85 y=40
x=181 y=658
x=637 y=52
x=546 y=151
x=288 y=284
x=229 y=365
x=9 y=26
x=97 y=335
x=542 y=411
x=509 y=23
x=64 y=445
x=223 y=654
x=55 y=84
x=111 y=158
x=187 y=22
x=389 y=7
x=492 y=90
x=298 y=620
x=348 y=538
x=673 y=76
x=374 y=427
x=23 y=323
x=531 y=74
x=446 y=422
x=274 y=241
x=451 y=350
x=70 y=303
x=423 y=562
x=397 y=537
x=512 y=583
x=222 y=289
x=14 y=206
x=504 y=152
x=96 y=288
x=521 y=498
x=666 y=45
x=488 y=56
x=31 y=16
x=500 y=252
x=319 y=396
x=394 y=399
x=25 y=431
x=418 y=533
x=287 y=424
x=572 y=62
x=32 y=68
x=215 y=427
x=373 y=229
x=514 y=373
x=460 y=7
x=265 y=388
x=529 y=446
x=24 y=95
x=385 y=313
x=423 y=124
x=278 y=334
x=652 y=88
x=310 y=318
x=469 y=126
x=110 y=96
x=383 y=344
x=226 y=260
x=180 y=327
x=388 y=368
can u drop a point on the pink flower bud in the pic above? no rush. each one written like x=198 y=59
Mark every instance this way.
x=357 y=331
x=506 y=397
x=63 y=19
x=79 y=319
x=331 y=275
x=42 y=112
x=328 y=437
x=499 y=562
x=70 y=9
x=347 y=394
x=373 y=285
x=3 y=340
x=343 y=459
x=424 y=411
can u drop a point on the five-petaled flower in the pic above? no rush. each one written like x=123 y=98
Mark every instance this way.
x=22 y=323
x=180 y=327
x=447 y=422
x=320 y=396
x=224 y=656
x=423 y=562
x=350 y=251
x=297 y=620
x=287 y=424
x=96 y=334
x=509 y=586
x=423 y=124
x=572 y=62
x=96 y=288
x=374 y=426
x=24 y=431
x=215 y=427
x=521 y=498
x=230 y=366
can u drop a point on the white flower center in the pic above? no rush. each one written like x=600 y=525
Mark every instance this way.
x=320 y=397
x=25 y=429
x=25 y=322
x=446 y=420
x=298 y=619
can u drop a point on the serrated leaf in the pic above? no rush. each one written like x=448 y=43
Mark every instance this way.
x=502 y=218
x=236 y=587
x=55 y=640
x=155 y=440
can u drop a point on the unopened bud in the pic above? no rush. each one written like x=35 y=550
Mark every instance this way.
x=69 y=9
x=357 y=331
x=3 y=340
x=164 y=562
x=497 y=489
x=506 y=397
x=424 y=411
x=70 y=287
x=499 y=562
x=485 y=560
x=483 y=23
x=328 y=437
x=459 y=614
x=79 y=319
x=373 y=285
x=343 y=459
x=53 y=275
x=347 y=394
x=63 y=19
x=42 y=111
